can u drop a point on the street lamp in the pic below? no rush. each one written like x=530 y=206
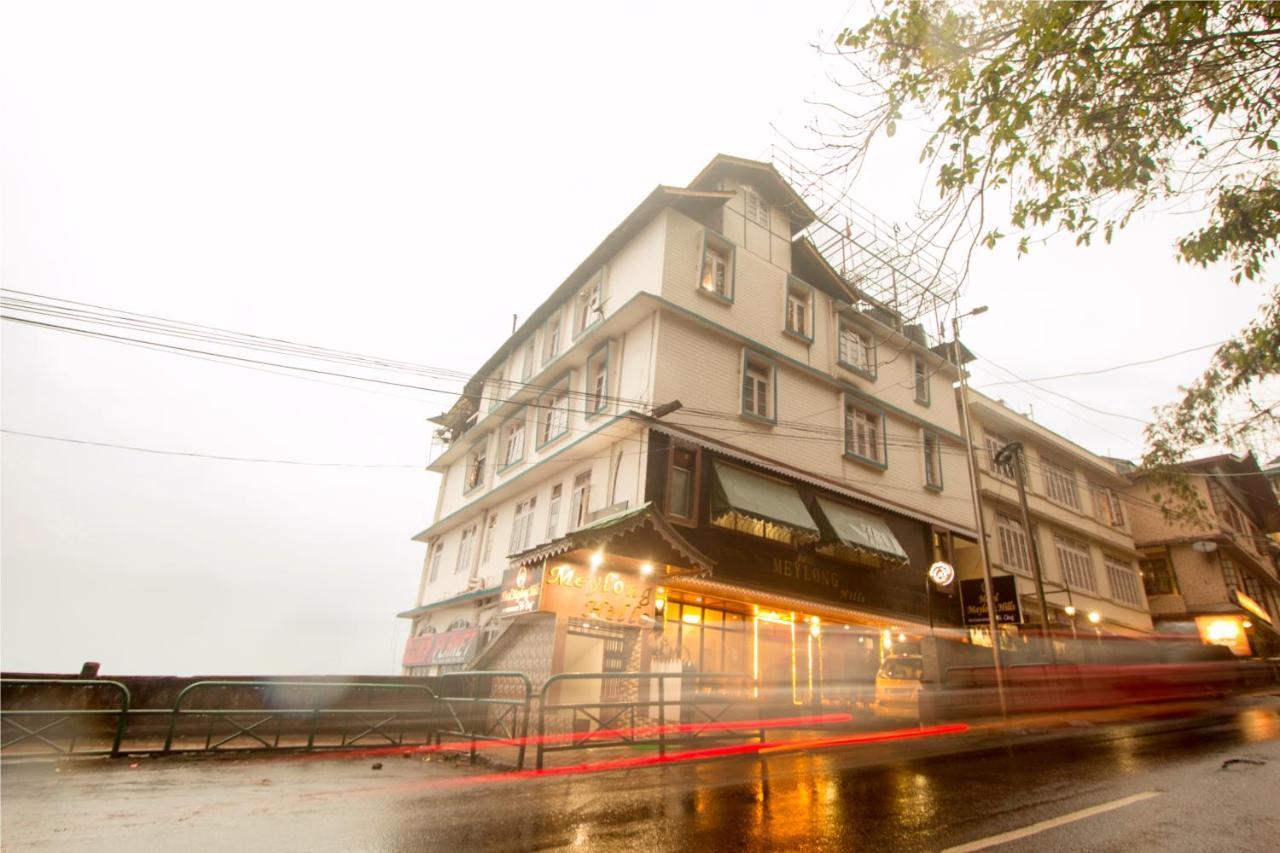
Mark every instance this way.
x=1094 y=618
x=967 y=428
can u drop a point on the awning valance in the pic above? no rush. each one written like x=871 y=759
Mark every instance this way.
x=759 y=497
x=644 y=524
x=862 y=532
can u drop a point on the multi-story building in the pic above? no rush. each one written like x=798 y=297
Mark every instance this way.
x=722 y=439
x=1211 y=570
x=1080 y=526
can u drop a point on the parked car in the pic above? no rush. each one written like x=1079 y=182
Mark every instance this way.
x=898 y=687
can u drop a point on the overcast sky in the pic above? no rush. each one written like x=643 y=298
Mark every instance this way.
x=393 y=179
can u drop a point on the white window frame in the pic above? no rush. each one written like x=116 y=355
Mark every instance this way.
x=580 y=500
x=1123 y=577
x=1106 y=504
x=994 y=442
x=597 y=387
x=864 y=431
x=529 y=359
x=433 y=561
x=864 y=344
x=552 y=332
x=1060 y=484
x=553 y=510
x=553 y=412
x=511 y=435
x=754 y=207
x=1075 y=564
x=585 y=305
x=798 y=310
x=475 y=469
x=522 y=525
x=1015 y=545
x=920 y=376
x=931 y=445
x=720 y=252
x=758 y=387
x=466 y=543
x=490 y=533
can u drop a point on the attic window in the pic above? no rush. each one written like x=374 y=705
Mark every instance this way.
x=757 y=210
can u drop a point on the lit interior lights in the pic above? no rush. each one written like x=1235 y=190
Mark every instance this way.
x=1246 y=623
x=659 y=604
x=1222 y=631
x=690 y=618
x=646 y=569
x=1070 y=610
x=902 y=638
x=815 y=626
x=596 y=559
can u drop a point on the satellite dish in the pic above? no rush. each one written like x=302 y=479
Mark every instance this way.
x=1204 y=546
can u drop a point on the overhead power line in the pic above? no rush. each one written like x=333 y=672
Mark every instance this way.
x=1102 y=370
x=191 y=453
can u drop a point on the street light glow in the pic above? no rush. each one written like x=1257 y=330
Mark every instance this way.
x=596 y=559
x=1070 y=610
x=1095 y=617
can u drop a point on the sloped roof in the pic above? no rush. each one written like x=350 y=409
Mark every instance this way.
x=763 y=178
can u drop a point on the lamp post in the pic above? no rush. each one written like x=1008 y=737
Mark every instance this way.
x=967 y=432
x=1013 y=451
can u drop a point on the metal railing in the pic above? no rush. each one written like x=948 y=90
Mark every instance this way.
x=319 y=724
x=701 y=705
x=501 y=720
x=48 y=727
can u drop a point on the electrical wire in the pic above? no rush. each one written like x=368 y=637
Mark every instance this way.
x=198 y=455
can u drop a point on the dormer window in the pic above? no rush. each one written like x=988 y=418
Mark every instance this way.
x=757 y=210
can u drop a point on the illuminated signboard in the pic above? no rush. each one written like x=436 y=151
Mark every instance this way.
x=521 y=591
x=974 y=595
x=1252 y=606
x=597 y=595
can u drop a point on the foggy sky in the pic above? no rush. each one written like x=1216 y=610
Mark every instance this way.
x=393 y=179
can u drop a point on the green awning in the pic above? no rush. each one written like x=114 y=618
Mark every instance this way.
x=759 y=497
x=861 y=531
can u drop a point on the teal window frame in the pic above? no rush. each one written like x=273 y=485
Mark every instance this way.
x=860 y=403
x=603 y=404
x=747 y=356
x=725 y=245
x=811 y=319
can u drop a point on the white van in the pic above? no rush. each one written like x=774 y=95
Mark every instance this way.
x=898 y=687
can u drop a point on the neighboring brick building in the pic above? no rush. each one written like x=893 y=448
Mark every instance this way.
x=726 y=438
x=1215 y=576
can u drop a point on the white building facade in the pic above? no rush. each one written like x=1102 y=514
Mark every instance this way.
x=707 y=444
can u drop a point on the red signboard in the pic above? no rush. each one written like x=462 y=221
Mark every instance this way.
x=451 y=647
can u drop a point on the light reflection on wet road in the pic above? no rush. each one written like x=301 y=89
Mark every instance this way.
x=854 y=798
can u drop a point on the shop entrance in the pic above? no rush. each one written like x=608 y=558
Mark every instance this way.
x=592 y=647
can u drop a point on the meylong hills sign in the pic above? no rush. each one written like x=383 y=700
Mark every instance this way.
x=1005 y=590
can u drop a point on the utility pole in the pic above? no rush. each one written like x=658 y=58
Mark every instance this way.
x=1013 y=451
x=966 y=429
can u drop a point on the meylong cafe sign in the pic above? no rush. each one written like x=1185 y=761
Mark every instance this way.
x=606 y=596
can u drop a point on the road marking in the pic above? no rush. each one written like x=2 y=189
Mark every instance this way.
x=1014 y=835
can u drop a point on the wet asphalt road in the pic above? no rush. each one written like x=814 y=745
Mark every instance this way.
x=866 y=797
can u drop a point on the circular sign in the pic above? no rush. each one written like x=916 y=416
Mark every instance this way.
x=942 y=574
